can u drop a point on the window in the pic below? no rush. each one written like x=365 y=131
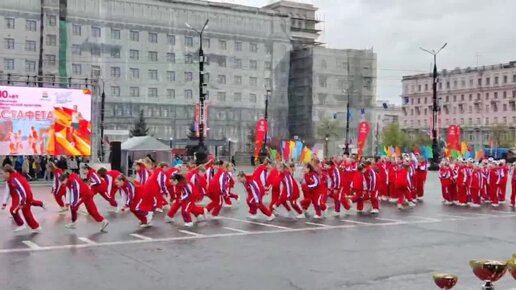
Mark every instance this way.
x=171 y=39
x=237 y=97
x=134 y=35
x=135 y=73
x=171 y=76
x=238 y=45
x=514 y=78
x=487 y=109
x=188 y=58
x=462 y=97
x=238 y=80
x=495 y=95
x=134 y=91
x=471 y=83
x=447 y=84
x=95 y=71
x=440 y=86
x=222 y=61
x=488 y=81
x=10 y=23
x=504 y=120
x=461 y=121
x=206 y=42
x=115 y=52
x=479 y=82
x=30 y=25
x=504 y=94
x=268 y=65
x=115 y=33
x=76 y=69
x=171 y=93
x=470 y=121
x=153 y=37
x=495 y=80
x=153 y=56
x=253 y=82
x=152 y=92
x=419 y=101
x=426 y=87
x=153 y=74
x=30 y=45
x=419 y=88
x=238 y=63
x=253 y=64
x=95 y=50
x=76 y=29
x=221 y=79
x=51 y=59
x=9 y=43
x=115 y=91
x=504 y=79
x=487 y=96
x=323 y=84
x=51 y=40
x=188 y=76
x=463 y=83
x=188 y=94
x=171 y=57
x=30 y=66
x=252 y=98
x=253 y=47
x=76 y=49
x=51 y=20
x=454 y=84
x=188 y=41
x=470 y=97
x=504 y=107
x=223 y=45
x=115 y=72
x=95 y=31
x=221 y=96
x=134 y=54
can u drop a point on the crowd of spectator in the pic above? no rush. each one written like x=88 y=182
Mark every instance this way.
x=36 y=167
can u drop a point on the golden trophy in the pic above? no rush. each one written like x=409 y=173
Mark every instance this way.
x=445 y=281
x=511 y=264
x=488 y=271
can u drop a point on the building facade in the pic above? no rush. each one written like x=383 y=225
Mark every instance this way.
x=146 y=58
x=473 y=98
x=384 y=114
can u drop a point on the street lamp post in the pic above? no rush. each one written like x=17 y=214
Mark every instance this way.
x=326 y=139
x=346 y=149
x=263 y=152
x=201 y=154
x=171 y=142
x=102 y=109
x=229 y=147
x=435 y=109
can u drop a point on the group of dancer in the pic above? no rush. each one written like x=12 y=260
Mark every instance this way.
x=466 y=182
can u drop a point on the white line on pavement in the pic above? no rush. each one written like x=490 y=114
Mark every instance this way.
x=191 y=233
x=236 y=230
x=389 y=220
x=480 y=214
x=316 y=224
x=425 y=218
x=255 y=223
x=141 y=237
x=31 y=245
x=454 y=216
x=360 y=223
x=86 y=240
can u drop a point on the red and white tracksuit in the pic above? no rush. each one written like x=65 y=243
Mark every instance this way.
x=372 y=187
x=289 y=193
x=504 y=176
x=217 y=189
x=274 y=182
x=99 y=185
x=110 y=178
x=227 y=198
x=513 y=187
x=312 y=191
x=58 y=191
x=255 y=194
x=383 y=181
x=158 y=185
x=475 y=184
x=493 y=180
x=337 y=186
x=139 y=201
x=188 y=195
x=404 y=185
x=81 y=193
x=260 y=174
x=359 y=189
x=462 y=189
x=142 y=174
x=21 y=199
x=445 y=175
x=199 y=182
x=421 y=172
x=391 y=177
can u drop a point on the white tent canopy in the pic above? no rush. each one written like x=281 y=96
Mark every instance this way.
x=138 y=147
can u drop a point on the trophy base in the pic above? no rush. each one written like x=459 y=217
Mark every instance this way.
x=488 y=286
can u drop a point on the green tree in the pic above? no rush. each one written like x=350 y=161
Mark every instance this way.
x=392 y=135
x=140 y=126
x=326 y=130
x=418 y=139
x=503 y=136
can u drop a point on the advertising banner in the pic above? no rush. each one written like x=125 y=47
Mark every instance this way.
x=261 y=132
x=453 y=138
x=363 y=131
x=45 y=121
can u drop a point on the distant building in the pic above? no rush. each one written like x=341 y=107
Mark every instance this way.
x=473 y=98
x=384 y=114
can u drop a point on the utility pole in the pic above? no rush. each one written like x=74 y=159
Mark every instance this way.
x=263 y=151
x=348 y=91
x=435 y=110
x=102 y=109
x=40 y=57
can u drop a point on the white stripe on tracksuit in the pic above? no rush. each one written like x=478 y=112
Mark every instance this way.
x=255 y=191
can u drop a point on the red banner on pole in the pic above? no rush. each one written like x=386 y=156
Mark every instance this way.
x=453 y=138
x=261 y=132
x=197 y=119
x=363 y=131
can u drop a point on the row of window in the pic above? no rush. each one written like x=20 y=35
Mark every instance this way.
x=452 y=121
x=462 y=98
x=480 y=82
x=30 y=25
x=187 y=94
x=461 y=109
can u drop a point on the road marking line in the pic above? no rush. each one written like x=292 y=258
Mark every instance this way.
x=141 y=237
x=389 y=220
x=481 y=214
x=360 y=223
x=425 y=218
x=316 y=224
x=191 y=233
x=31 y=245
x=455 y=216
x=236 y=230
x=504 y=212
x=255 y=223
x=87 y=241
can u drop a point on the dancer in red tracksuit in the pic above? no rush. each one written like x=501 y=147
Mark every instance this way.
x=58 y=191
x=255 y=192
x=337 y=177
x=139 y=201
x=227 y=198
x=98 y=185
x=445 y=175
x=513 y=185
x=371 y=174
x=158 y=184
x=475 y=183
x=382 y=180
x=81 y=193
x=312 y=190
x=262 y=171
x=392 y=168
x=142 y=173
x=197 y=178
x=359 y=188
x=289 y=193
x=273 y=183
x=504 y=177
x=217 y=189
x=21 y=200
x=421 y=172
x=493 y=180
x=404 y=186
x=462 y=176
x=188 y=193
x=110 y=177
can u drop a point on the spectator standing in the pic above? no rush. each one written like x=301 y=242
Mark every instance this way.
x=19 y=164
x=62 y=164
x=7 y=161
x=43 y=170
x=72 y=165
x=25 y=167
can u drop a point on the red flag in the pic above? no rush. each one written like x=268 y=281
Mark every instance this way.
x=363 y=130
x=417 y=150
x=197 y=119
x=261 y=132
x=453 y=139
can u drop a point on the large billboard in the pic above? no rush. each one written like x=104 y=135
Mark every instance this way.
x=45 y=121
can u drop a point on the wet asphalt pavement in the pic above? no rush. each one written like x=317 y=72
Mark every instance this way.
x=394 y=250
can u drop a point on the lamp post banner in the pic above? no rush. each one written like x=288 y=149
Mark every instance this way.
x=261 y=132
x=363 y=131
x=453 y=139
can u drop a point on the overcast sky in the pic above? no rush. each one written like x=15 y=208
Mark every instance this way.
x=477 y=31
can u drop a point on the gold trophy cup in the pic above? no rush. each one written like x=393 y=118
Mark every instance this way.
x=511 y=264
x=445 y=281
x=488 y=271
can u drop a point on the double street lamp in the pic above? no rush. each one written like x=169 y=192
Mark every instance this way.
x=435 y=110
x=201 y=152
